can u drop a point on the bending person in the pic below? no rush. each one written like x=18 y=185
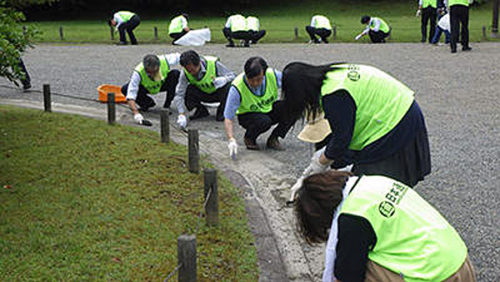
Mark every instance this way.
x=178 y=27
x=376 y=28
x=125 y=21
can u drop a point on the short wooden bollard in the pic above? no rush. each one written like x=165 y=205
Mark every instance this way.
x=61 y=34
x=334 y=32
x=186 y=257
x=156 y=33
x=212 y=206
x=46 y=98
x=296 y=32
x=112 y=33
x=484 y=32
x=165 y=127
x=111 y=109
x=194 y=154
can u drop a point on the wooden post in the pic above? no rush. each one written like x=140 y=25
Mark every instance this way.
x=61 y=35
x=165 y=126
x=186 y=257
x=112 y=33
x=494 y=25
x=296 y=32
x=194 y=154
x=156 y=33
x=484 y=32
x=212 y=206
x=46 y=98
x=111 y=109
x=334 y=32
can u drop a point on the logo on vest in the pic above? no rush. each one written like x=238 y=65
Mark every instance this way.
x=353 y=73
x=387 y=208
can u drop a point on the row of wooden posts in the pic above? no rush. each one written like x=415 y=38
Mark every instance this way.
x=186 y=244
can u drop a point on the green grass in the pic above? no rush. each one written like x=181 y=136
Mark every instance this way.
x=279 y=23
x=82 y=200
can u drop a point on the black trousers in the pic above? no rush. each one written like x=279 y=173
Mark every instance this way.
x=177 y=35
x=378 y=36
x=258 y=123
x=428 y=13
x=129 y=26
x=194 y=97
x=459 y=15
x=323 y=33
x=145 y=101
x=242 y=35
x=256 y=35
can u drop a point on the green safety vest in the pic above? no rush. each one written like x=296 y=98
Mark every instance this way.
x=413 y=238
x=321 y=22
x=252 y=23
x=125 y=15
x=175 y=25
x=458 y=2
x=251 y=103
x=237 y=23
x=206 y=83
x=381 y=100
x=427 y=3
x=153 y=87
x=384 y=27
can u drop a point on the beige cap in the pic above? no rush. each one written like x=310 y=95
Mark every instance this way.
x=316 y=130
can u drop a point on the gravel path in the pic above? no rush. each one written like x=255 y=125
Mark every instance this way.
x=458 y=94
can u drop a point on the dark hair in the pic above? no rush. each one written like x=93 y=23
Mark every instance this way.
x=301 y=88
x=151 y=61
x=254 y=66
x=110 y=23
x=185 y=15
x=365 y=19
x=316 y=202
x=190 y=57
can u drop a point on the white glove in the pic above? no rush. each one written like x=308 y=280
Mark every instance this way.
x=358 y=36
x=233 y=148
x=315 y=166
x=417 y=14
x=295 y=188
x=219 y=82
x=138 y=118
x=182 y=121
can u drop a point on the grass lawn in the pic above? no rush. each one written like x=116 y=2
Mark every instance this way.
x=82 y=200
x=279 y=23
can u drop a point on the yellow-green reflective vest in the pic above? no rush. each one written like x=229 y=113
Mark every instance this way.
x=237 y=23
x=413 y=238
x=206 y=83
x=381 y=100
x=125 y=15
x=321 y=22
x=427 y=3
x=458 y=2
x=251 y=103
x=175 y=25
x=384 y=27
x=252 y=23
x=153 y=87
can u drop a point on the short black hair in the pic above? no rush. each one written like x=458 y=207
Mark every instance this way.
x=254 y=66
x=190 y=57
x=151 y=61
x=365 y=19
x=110 y=23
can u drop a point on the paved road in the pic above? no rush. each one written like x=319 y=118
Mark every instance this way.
x=458 y=94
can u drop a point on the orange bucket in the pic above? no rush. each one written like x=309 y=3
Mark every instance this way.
x=104 y=89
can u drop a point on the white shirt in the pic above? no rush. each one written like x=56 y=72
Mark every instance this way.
x=133 y=86
x=118 y=20
x=444 y=22
x=376 y=25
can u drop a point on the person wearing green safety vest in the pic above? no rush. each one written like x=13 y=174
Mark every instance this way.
x=320 y=26
x=125 y=21
x=378 y=229
x=376 y=28
x=253 y=26
x=152 y=76
x=253 y=98
x=178 y=27
x=428 y=10
x=459 y=19
x=204 y=79
x=236 y=28
x=376 y=123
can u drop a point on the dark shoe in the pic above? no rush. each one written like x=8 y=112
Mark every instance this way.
x=219 y=117
x=247 y=44
x=251 y=145
x=274 y=143
x=453 y=50
x=325 y=41
x=467 y=48
x=230 y=45
x=26 y=85
x=200 y=112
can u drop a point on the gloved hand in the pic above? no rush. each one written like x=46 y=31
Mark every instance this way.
x=294 y=189
x=233 y=148
x=138 y=118
x=315 y=166
x=182 y=121
x=417 y=14
x=219 y=82
x=358 y=36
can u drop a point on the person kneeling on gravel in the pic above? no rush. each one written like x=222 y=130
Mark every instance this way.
x=152 y=76
x=253 y=97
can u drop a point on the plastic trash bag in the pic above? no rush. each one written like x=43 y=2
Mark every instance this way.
x=195 y=37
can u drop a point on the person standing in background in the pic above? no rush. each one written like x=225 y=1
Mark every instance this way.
x=459 y=18
x=427 y=9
